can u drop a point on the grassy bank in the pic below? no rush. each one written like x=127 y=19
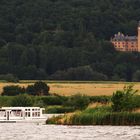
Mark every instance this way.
x=120 y=111
x=97 y=116
x=54 y=103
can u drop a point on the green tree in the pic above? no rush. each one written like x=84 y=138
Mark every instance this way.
x=22 y=101
x=39 y=88
x=31 y=90
x=124 y=100
x=8 y=77
x=136 y=76
x=78 y=101
x=76 y=34
x=12 y=90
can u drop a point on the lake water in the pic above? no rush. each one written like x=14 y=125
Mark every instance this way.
x=34 y=131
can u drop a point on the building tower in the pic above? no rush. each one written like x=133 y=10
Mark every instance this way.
x=139 y=37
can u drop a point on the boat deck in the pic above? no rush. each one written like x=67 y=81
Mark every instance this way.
x=31 y=120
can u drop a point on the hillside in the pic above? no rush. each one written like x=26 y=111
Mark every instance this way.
x=67 y=39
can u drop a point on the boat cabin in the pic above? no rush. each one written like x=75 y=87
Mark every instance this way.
x=21 y=113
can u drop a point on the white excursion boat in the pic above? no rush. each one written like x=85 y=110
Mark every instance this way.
x=22 y=114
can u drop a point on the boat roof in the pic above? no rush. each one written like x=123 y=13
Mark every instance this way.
x=20 y=108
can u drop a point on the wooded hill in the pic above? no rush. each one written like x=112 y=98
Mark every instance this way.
x=67 y=39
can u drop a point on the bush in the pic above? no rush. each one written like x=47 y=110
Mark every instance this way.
x=22 y=101
x=100 y=99
x=124 y=100
x=38 y=102
x=12 y=90
x=79 y=73
x=78 y=101
x=59 y=109
x=5 y=100
x=39 y=88
x=53 y=100
x=137 y=101
x=31 y=90
x=98 y=109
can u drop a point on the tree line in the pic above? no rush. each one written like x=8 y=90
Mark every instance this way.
x=67 y=39
x=39 y=88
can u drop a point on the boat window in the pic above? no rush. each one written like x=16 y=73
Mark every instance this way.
x=21 y=114
x=33 y=114
x=2 y=113
x=38 y=113
x=28 y=114
x=25 y=114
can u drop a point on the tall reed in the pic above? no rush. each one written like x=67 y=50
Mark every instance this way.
x=99 y=116
x=108 y=118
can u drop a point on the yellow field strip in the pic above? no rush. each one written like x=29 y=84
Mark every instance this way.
x=70 y=88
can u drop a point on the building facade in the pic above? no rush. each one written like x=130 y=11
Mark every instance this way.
x=127 y=43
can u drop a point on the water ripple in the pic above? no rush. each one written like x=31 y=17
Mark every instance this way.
x=31 y=131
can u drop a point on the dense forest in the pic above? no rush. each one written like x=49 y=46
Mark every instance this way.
x=67 y=39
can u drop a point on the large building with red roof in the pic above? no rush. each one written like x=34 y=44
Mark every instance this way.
x=126 y=43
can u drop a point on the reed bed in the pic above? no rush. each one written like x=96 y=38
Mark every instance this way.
x=98 y=116
x=106 y=118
